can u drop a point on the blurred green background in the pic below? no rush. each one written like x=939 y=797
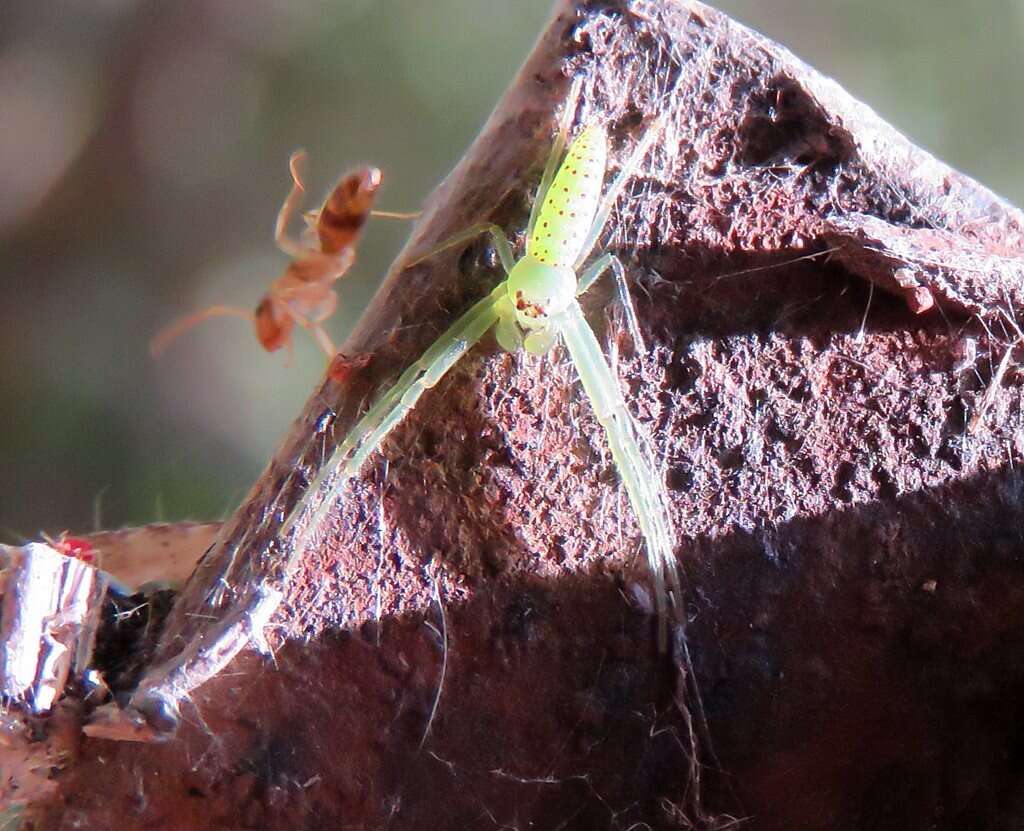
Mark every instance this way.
x=143 y=148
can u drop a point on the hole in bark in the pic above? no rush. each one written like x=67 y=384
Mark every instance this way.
x=844 y=481
x=429 y=441
x=731 y=459
x=520 y=616
x=678 y=478
x=128 y=635
x=478 y=257
x=785 y=125
x=701 y=419
x=887 y=486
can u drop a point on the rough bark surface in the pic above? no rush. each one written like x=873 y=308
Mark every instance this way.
x=469 y=643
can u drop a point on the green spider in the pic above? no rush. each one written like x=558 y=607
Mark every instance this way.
x=533 y=308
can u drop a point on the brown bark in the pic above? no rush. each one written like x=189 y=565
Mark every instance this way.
x=468 y=642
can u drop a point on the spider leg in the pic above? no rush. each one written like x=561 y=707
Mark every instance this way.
x=646 y=491
x=541 y=341
x=507 y=332
x=612 y=194
x=591 y=275
x=371 y=430
x=555 y=156
x=501 y=243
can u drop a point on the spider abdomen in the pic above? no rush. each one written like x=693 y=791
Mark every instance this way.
x=571 y=201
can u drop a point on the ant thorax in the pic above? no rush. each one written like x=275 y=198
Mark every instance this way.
x=539 y=291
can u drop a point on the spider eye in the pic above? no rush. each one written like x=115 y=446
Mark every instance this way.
x=539 y=291
x=529 y=308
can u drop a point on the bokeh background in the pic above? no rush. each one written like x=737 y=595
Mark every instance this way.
x=143 y=148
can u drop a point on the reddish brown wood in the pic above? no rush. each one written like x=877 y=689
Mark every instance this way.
x=852 y=551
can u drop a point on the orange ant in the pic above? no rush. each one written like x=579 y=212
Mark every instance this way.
x=324 y=252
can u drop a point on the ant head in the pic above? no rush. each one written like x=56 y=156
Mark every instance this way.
x=273 y=326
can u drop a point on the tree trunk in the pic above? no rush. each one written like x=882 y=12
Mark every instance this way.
x=827 y=370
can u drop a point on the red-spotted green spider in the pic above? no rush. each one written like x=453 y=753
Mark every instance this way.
x=534 y=308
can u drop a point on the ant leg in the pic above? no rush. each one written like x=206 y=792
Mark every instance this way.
x=396 y=214
x=293 y=248
x=555 y=156
x=325 y=305
x=590 y=276
x=323 y=340
x=328 y=306
x=170 y=333
x=501 y=243
x=612 y=194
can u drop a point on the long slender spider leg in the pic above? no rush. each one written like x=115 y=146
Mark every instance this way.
x=555 y=156
x=381 y=418
x=507 y=332
x=540 y=341
x=591 y=275
x=501 y=243
x=371 y=430
x=646 y=492
x=612 y=194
